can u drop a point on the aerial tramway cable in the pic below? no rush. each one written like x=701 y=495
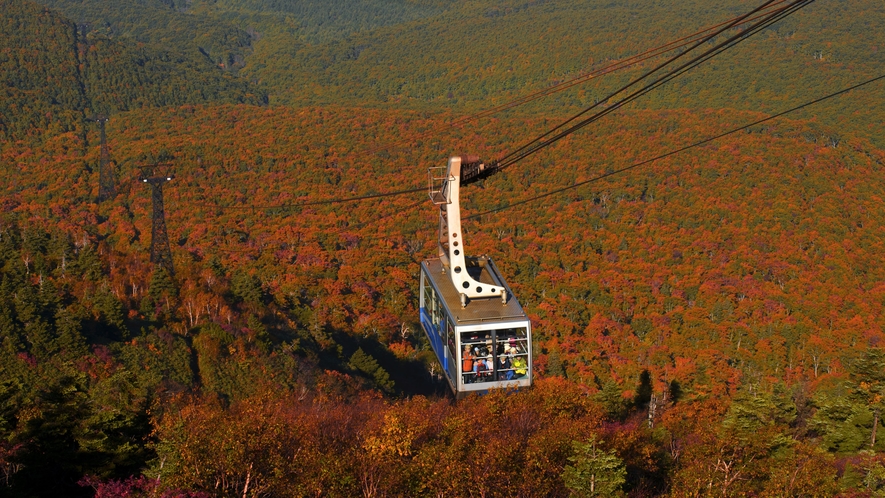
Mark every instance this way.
x=769 y=17
x=766 y=12
x=646 y=161
x=624 y=169
x=582 y=78
x=674 y=152
x=542 y=141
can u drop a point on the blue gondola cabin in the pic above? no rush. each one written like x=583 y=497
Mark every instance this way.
x=484 y=345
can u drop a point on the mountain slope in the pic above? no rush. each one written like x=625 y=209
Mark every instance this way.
x=164 y=24
x=718 y=309
x=741 y=274
x=484 y=53
x=54 y=78
x=470 y=55
x=39 y=72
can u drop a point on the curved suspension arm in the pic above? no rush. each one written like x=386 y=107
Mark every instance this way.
x=451 y=237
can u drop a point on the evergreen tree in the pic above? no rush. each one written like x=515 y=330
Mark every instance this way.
x=867 y=375
x=367 y=364
x=611 y=398
x=754 y=408
x=49 y=297
x=849 y=415
x=841 y=422
x=162 y=287
x=246 y=287
x=87 y=264
x=593 y=471
x=10 y=339
x=260 y=337
x=214 y=264
x=110 y=308
x=644 y=391
x=70 y=340
x=874 y=480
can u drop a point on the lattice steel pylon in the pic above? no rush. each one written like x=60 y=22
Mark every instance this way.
x=161 y=254
x=106 y=182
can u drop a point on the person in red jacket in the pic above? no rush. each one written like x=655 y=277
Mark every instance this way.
x=467 y=365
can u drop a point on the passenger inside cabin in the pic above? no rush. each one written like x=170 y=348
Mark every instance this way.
x=467 y=363
x=483 y=369
x=504 y=371
x=519 y=366
x=510 y=348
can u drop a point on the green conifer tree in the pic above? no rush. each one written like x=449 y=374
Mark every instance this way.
x=867 y=375
x=367 y=364
x=611 y=398
x=110 y=308
x=246 y=287
x=593 y=471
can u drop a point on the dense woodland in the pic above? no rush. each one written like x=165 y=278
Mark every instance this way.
x=709 y=324
x=56 y=75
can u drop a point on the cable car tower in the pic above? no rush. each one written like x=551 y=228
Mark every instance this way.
x=161 y=255
x=477 y=328
x=106 y=181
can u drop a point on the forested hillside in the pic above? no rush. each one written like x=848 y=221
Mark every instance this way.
x=466 y=55
x=707 y=324
x=744 y=271
x=56 y=75
x=40 y=72
x=165 y=24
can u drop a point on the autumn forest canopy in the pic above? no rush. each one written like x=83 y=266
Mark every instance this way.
x=710 y=323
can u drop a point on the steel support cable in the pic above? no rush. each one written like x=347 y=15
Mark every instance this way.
x=657 y=158
x=582 y=78
x=618 y=171
x=673 y=45
x=589 y=76
x=668 y=77
x=535 y=141
x=674 y=152
x=532 y=148
x=539 y=142
x=768 y=18
x=611 y=109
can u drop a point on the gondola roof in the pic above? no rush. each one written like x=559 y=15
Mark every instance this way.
x=478 y=311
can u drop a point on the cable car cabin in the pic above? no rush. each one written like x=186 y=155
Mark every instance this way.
x=486 y=344
x=475 y=324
